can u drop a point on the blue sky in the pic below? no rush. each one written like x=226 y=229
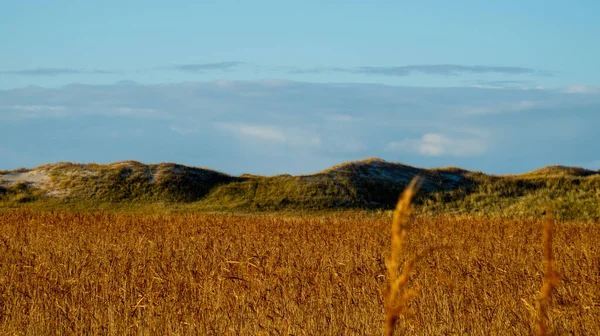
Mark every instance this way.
x=278 y=86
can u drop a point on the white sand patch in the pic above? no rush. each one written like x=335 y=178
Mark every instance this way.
x=38 y=179
x=33 y=176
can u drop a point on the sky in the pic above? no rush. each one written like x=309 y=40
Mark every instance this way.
x=269 y=87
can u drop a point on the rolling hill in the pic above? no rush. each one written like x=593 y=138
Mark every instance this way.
x=366 y=184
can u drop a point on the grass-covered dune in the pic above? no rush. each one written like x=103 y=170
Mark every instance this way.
x=368 y=184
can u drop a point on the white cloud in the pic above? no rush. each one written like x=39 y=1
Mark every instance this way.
x=260 y=132
x=16 y=112
x=38 y=108
x=582 y=89
x=273 y=134
x=183 y=130
x=341 y=118
x=308 y=122
x=436 y=144
x=140 y=112
x=523 y=105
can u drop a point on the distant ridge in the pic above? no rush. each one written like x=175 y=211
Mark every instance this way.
x=561 y=171
x=364 y=184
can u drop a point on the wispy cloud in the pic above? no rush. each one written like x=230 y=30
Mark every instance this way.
x=288 y=136
x=391 y=71
x=102 y=72
x=203 y=67
x=55 y=72
x=341 y=118
x=184 y=130
x=436 y=144
x=42 y=72
x=432 y=69
x=141 y=113
x=37 y=108
x=518 y=106
x=29 y=112
x=297 y=127
x=448 y=70
x=582 y=89
x=262 y=132
x=503 y=84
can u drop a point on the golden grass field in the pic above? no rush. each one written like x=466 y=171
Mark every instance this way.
x=198 y=274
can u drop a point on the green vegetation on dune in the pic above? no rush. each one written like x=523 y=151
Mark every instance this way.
x=568 y=197
x=17 y=194
x=560 y=171
x=572 y=193
x=133 y=181
x=283 y=192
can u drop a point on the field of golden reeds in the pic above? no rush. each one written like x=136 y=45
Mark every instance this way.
x=118 y=274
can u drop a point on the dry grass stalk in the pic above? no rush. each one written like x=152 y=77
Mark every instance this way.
x=550 y=279
x=200 y=274
x=395 y=296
